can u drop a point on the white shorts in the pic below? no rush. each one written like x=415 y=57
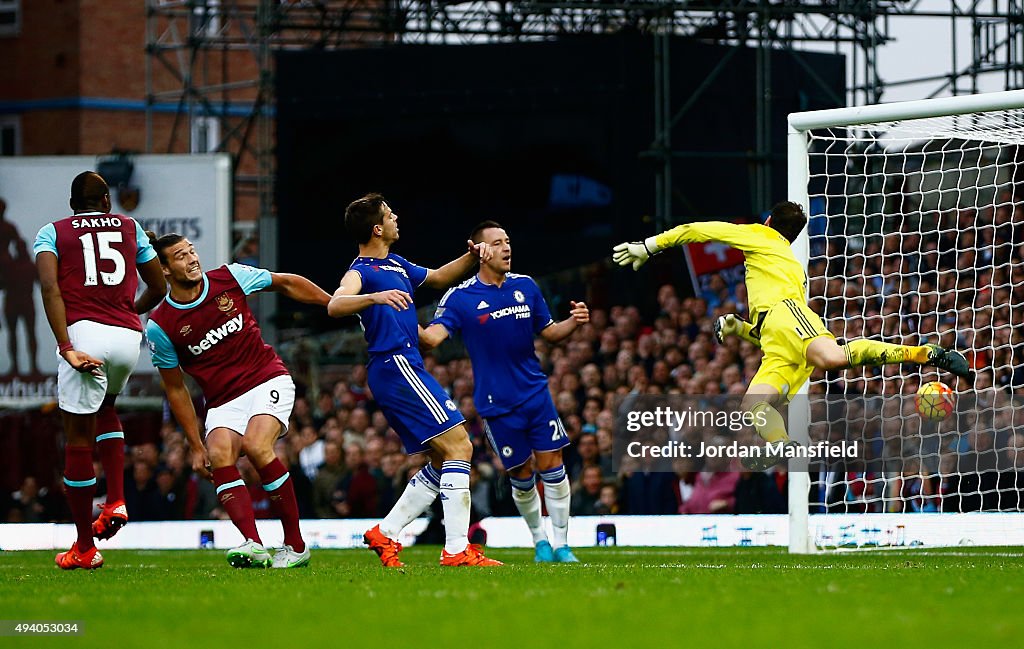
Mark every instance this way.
x=275 y=397
x=81 y=393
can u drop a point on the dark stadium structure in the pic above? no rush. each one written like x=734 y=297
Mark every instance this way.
x=551 y=138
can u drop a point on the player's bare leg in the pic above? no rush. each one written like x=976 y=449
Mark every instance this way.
x=455 y=448
x=258 y=445
x=524 y=493
x=224 y=446
x=557 y=494
x=760 y=401
x=826 y=354
x=80 y=485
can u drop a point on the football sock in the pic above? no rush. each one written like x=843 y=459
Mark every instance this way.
x=455 y=502
x=278 y=484
x=524 y=493
x=80 y=485
x=556 y=495
x=768 y=422
x=873 y=353
x=234 y=497
x=110 y=447
x=419 y=493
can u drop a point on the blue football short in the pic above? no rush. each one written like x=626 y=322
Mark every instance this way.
x=532 y=426
x=415 y=404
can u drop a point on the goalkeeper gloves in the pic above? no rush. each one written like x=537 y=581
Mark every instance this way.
x=636 y=253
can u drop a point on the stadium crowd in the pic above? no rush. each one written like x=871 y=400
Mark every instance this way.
x=347 y=463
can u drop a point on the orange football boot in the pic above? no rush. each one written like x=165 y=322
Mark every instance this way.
x=111 y=519
x=471 y=556
x=72 y=559
x=386 y=548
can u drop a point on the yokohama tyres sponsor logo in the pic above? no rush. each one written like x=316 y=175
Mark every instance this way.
x=214 y=336
x=519 y=311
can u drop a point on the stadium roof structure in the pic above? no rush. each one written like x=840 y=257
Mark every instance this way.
x=188 y=38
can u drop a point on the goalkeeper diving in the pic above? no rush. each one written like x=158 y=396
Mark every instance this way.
x=794 y=339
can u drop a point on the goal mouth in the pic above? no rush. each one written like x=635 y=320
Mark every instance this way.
x=916 y=236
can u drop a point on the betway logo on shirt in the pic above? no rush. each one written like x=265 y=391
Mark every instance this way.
x=520 y=311
x=214 y=336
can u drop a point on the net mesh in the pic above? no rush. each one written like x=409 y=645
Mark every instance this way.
x=917 y=228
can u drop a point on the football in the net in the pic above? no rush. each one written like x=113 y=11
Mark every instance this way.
x=934 y=401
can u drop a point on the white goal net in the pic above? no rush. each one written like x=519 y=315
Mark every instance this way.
x=916 y=236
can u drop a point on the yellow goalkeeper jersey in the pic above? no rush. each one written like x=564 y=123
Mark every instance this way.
x=772 y=272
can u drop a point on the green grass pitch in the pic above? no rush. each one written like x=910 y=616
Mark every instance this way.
x=618 y=597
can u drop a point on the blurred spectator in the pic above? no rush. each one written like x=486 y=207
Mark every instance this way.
x=587 y=492
x=645 y=491
x=170 y=502
x=608 y=503
x=324 y=408
x=311 y=456
x=327 y=478
x=714 y=488
x=141 y=495
x=355 y=495
x=390 y=482
x=29 y=503
x=605 y=449
x=586 y=454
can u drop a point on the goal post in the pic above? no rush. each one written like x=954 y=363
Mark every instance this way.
x=916 y=234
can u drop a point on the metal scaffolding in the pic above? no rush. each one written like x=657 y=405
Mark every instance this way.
x=213 y=59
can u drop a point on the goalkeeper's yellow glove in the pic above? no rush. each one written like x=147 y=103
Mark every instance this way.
x=636 y=252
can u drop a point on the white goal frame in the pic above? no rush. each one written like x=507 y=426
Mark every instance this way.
x=801 y=532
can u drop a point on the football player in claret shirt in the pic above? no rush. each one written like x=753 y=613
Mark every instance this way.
x=205 y=328
x=793 y=337
x=87 y=266
x=379 y=286
x=498 y=314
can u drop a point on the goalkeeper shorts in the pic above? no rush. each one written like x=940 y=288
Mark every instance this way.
x=786 y=331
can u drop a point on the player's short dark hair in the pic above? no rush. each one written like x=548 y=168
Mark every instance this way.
x=88 y=190
x=788 y=219
x=161 y=244
x=362 y=214
x=476 y=233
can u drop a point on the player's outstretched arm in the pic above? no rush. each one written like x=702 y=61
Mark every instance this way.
x=156 y=286
x=449 y=274
x=578 y=314
x=432 y=336
x=347 y=300
x=636 y=253
x=298 y=288
x=56 y=315
x=180 y=402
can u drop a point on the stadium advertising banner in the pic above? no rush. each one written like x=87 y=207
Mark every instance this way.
x=190 y=194
x=831 y=532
